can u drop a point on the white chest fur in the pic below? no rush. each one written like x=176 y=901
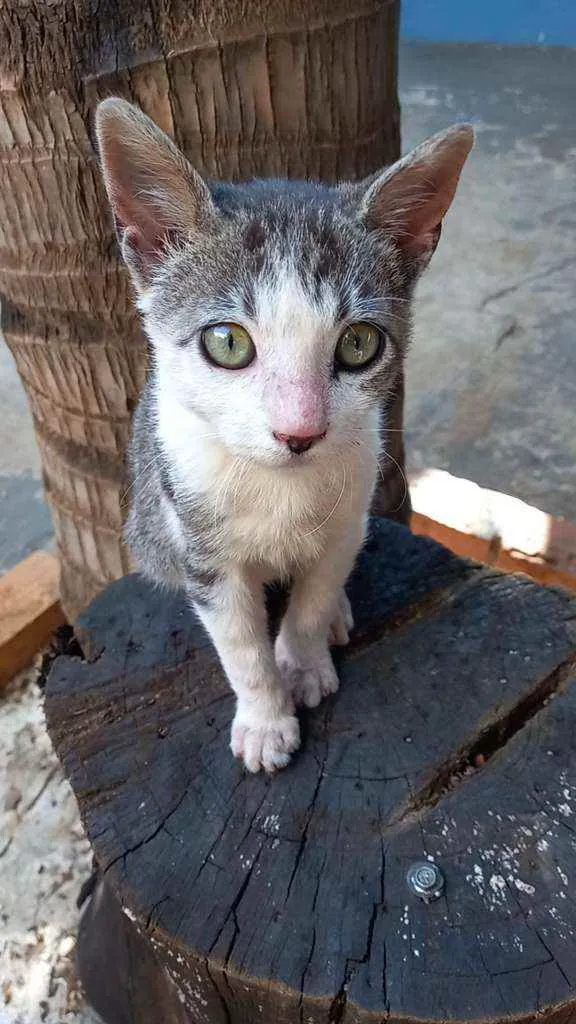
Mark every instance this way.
x=278 y=519
x=283 y=519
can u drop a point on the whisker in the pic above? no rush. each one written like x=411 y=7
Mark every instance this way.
x=333 y=509
x=376 y=431
x=221 y=493
x=130 y=487
x=244 y=466
x=387 y=455
x=395 y=316
x=154 y=461
x=404 y=480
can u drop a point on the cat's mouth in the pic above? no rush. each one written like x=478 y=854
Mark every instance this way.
x=293 y=461
x=283 y=457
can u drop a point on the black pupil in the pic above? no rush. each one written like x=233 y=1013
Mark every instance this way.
x=230 y=341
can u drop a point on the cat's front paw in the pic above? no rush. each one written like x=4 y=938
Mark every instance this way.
x=342 y=621
x=308 y=678
x=264 y=740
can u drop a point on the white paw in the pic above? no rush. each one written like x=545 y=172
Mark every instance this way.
x=307 y=679
x=264 y=740
x=343 y=623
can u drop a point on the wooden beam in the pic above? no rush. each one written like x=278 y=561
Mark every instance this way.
x=494 y=528
x=30 y=611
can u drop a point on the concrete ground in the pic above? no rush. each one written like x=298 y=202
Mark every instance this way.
x=491 y=396
x=25 y=523
x=44 y=859
x=492 y=374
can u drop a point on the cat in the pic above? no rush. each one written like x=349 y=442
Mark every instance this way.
x=278 y=314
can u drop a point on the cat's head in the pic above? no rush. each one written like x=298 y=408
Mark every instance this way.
x=279 y=312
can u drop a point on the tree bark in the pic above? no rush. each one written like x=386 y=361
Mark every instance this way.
x=253 y=88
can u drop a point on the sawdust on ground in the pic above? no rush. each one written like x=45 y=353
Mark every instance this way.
x=44 y=858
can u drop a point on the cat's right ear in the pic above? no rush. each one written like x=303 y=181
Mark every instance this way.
x=156 y=196
x=410 y=199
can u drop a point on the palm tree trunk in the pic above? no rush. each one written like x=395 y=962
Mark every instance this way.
x=300 y=88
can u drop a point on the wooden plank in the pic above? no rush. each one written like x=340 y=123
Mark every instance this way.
x=30 y=611
x=495 y=528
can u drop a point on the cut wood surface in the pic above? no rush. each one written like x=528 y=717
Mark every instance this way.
x=247 y=88
x=30 y=611
x=452 y=738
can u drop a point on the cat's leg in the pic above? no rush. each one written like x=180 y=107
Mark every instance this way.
x=265 y=730
x=342 y=622
x=317 y=607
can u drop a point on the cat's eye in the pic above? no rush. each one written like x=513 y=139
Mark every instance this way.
x=358 y=346
x=228 y=345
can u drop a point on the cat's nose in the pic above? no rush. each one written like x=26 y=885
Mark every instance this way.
x=298 y=443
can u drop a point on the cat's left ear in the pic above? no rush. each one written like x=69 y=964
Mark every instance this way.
x=155 y=194
x=410 y=199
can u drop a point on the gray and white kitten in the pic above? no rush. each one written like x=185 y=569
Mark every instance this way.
x=278 y=314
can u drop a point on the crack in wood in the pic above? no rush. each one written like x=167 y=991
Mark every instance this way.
x=148 y=839
x=236 y=902
x=312 y=944
x=219 y=994
x=63 y=643
x=530 y=924
x=338 y=1005
x=480 y=749
x=148 y=924
x=234 y=907
x=309 y=812
x=306 y=966
x=428 y=604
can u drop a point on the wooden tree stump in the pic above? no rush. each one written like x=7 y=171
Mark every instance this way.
x=284 y=899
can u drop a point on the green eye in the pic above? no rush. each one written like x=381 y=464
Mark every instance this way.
x=228 y=345
x=358 y=346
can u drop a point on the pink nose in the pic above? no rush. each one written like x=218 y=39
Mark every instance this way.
x=299 y=443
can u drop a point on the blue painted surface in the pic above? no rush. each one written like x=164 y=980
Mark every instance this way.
x=548 y=22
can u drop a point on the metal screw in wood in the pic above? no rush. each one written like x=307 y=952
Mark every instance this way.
x=426 y=881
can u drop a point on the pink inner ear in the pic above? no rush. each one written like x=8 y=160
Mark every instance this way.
x=418 y=222
x=411 y=199
x=134 y=238
x=423 y=242
x=141 y=230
